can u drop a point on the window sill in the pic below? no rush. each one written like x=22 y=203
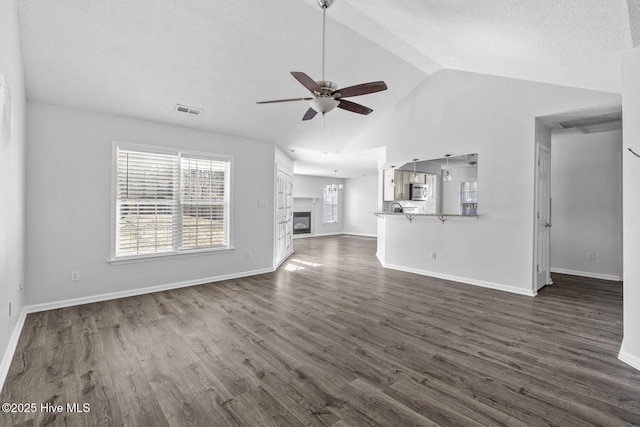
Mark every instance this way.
x=171 y=255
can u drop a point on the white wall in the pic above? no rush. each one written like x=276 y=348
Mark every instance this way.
x=586 y=203
x=458 y=112
x=360 y=200
x=630 y=351
x=283 y=160
x=307 y=192
x=69 y=175
x=12 y=186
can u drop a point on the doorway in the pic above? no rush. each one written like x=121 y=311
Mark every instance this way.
x=586 y=238
x=578 y=190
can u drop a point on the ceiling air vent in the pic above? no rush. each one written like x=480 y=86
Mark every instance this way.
x=189 y=110
x=594 y=123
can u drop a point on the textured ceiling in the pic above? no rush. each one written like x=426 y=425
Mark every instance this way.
x=140 y=58
x=566 y=42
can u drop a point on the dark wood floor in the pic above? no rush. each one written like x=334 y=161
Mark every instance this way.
x=331 y=338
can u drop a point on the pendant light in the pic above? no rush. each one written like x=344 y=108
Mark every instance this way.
x=414 y=178
x=335 y=186
x=446 y=175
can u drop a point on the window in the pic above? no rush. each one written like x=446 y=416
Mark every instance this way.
x=469 y=197
x=170 y=202
x=330 y=204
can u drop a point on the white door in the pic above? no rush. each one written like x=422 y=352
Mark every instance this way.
x=542 y=272
x=284 y=216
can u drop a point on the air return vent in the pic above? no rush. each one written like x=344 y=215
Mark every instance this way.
x=586 y=124
x=188 y=110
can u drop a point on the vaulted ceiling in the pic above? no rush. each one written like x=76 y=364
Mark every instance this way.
x=141 y=58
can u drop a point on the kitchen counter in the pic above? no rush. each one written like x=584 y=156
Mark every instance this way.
x=410 y=215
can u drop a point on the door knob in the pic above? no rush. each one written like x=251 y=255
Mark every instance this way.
x=547 y=224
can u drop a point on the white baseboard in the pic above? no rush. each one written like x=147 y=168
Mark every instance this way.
x=11 y=347
x=466 y=280
x=277 y=266
x=140 y=291
x=628 y=358
x=361 y=234
x=586 y=274
x=305 y=236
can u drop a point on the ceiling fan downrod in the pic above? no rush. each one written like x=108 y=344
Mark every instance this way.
x=324 y=4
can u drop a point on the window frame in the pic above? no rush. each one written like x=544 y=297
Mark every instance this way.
x=337 y=188
x=461 y=203
x=177 y=252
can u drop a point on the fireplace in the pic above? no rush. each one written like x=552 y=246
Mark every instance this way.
x=302 y=223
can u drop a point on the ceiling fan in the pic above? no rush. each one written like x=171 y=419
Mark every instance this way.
x=325 y=94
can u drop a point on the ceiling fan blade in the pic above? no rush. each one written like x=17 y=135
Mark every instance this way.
x=284 y=100
x=361 y=89
x=353 y=107
x=307 y=81
x=310 y=114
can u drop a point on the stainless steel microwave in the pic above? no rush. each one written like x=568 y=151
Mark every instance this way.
x=419 y=192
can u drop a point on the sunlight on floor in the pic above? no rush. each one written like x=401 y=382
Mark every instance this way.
x=297 y=264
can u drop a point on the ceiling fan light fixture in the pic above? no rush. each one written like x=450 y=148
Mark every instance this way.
x=325 y=3
x=323 y=105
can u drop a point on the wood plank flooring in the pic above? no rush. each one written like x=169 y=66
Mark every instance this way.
x=331 y=339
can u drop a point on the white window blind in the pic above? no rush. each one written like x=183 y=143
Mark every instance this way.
x=204 y=202
x=330 y=204
x=170 y=202
x=469 y=197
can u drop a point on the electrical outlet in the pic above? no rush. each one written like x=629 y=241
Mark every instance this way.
x=249 y=255
x=432 y=255
x=75 y=276
x=591 y=256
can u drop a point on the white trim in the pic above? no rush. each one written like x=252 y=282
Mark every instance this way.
x=628 y=358
x=341 y=233
x=283 y=260
x=586 y=274
x=5 y=364
x=141 y=291
x=304 y=236
x=169 y=255
x=361 y=234
x=474 y=282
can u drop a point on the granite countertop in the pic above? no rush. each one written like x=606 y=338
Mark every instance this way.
x=423 y=214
